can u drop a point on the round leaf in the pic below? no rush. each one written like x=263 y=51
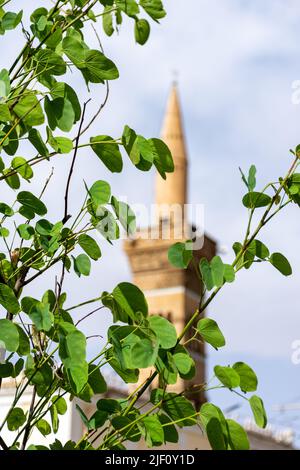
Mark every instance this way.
x=281 y=263
x=238 y=439
x=210 y=332
x=180 y=255
x=164 y=330
x=89 y=245
x=141 y=31
x=253 y=200
x=8 y=299
x=258 y=411
x=16 y=418
x=248 y=379
x=227 y=376
x=30 y=201
x=108 y=153
x=131 y=299
x=9 y=335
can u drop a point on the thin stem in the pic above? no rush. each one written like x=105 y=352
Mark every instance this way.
x=66 y=215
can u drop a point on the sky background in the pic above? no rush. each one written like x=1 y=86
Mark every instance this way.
x=236 y=61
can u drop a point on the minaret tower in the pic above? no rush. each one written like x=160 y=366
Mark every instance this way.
x=171 y=292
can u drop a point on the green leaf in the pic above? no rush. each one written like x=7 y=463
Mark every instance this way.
x=252 y=178
x=258 y=249
x=154 y=8
x=61 y=404
x=253 y=200
x=131 y=432
x=10 y=20
x=25 y=231
x=5 y=115
x=143 y=353
x=206 y=273
x=154 y=430
x=4 y=232
x=62 y=145
x=108 y=153
x=13 y=181
x=60 y=113
x=208 y=411
x=6 y=370
x=100 y=193
x=281 y=263
x=83 y=416
x=98 y=68
x=125 y=215
x=131 y=299
x=72 y=351
x=215 y=434
x=128 y=375
x=31 y=202
x=66 y=92
x=16 y=419
x=138 y=149
x=9 y=335
x=29 y=110
x=180 y=254
x=107 y=21
x=164 y=330
x=106 y=224
x=130 y=7
x=98 y=419
x=170 y=432
x=44 y=427
x=36 y=140
x=217 y=271
x=211 y=333
x=41 y=316
x=22 y=167
x=11 y=143
x=82 y=265
x=8 y=299
x=183 y=362
x=96 y=380
x=227 y=376
x=4 y=84
x=248 y=379
x=229 y=273
x=238 y=439
x=162 y=157
x=109 y=405
x=24 y=345
x=6 y=210
x=258 y=410
x=90 y=246
x=54 y=418
x=178 y=408
x=141 y=31
x=48 y=62
x=74 y=50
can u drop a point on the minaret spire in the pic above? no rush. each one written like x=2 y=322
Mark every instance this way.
x=174 y=189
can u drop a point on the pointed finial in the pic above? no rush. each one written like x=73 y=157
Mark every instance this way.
x=175 y=74
x=174 y=189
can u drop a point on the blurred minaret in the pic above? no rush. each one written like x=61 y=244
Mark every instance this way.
x=170 y=292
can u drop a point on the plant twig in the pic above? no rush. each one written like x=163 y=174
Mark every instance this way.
x=66 y=215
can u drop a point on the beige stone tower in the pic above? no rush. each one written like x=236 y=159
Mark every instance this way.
x=171 y=292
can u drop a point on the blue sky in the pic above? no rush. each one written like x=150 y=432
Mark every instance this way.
x=236 y=61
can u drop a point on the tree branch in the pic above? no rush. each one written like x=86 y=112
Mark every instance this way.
x=66 y=215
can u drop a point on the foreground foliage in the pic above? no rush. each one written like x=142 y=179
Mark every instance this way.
x=40 y=345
